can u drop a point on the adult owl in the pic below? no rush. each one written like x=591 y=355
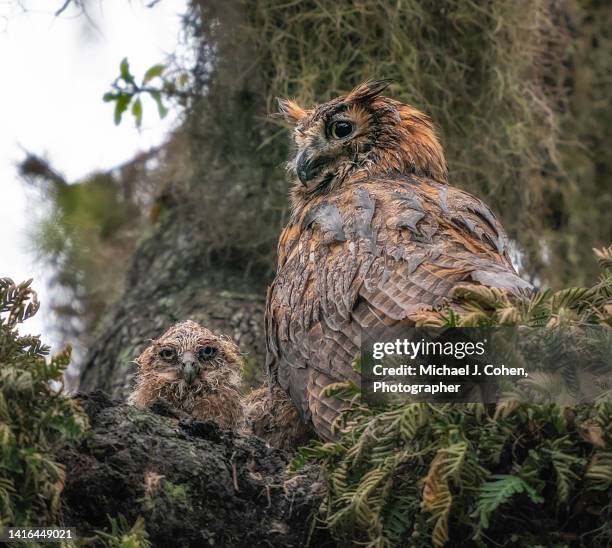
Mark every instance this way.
x=193 y=370
x=376 y=234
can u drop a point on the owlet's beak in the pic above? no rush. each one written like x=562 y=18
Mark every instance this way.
x=188 y=367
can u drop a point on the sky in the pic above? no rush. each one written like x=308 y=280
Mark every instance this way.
x=54 y=73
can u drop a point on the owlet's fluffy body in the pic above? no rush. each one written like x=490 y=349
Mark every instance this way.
x=195 y=371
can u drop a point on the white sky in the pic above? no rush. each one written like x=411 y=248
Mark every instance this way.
x=54 y=71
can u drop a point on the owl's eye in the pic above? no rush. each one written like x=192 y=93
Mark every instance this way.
x=341 y=129
x=207 y=352
x=167 y=354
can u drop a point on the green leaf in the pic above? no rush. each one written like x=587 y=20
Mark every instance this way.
x=124 y=68
x=341 y=390
x=599 y=471
x=499 y=491
x=152 y=72
x=161 y=108
x=137 y=111
x=108 y=97
x=314 y=452
x=121 y=106
x=183 y=79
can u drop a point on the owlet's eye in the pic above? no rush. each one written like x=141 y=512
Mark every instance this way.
x=167 y=354
x=341 y=129
x=207 y=352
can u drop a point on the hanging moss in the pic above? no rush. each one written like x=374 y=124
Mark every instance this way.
x=518 y=90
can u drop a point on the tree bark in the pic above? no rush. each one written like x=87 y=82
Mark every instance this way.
x=193 y=483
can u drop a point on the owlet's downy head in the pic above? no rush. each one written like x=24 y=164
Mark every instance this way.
x=362 y=132
x=195 y=371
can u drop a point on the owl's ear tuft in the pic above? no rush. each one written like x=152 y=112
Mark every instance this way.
x=368 y=90
x=290 y=110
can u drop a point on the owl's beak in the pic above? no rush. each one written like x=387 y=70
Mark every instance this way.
x=302 y=169
x=308 y=166
x=189 y=367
